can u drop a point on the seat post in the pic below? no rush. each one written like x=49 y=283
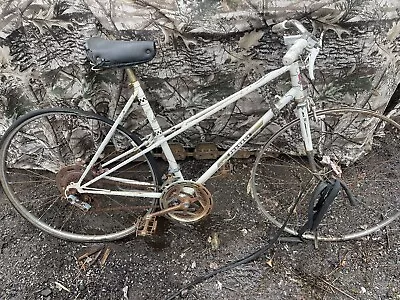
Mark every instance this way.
x=131 y=76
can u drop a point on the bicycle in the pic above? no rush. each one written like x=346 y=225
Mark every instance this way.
x=82 y=177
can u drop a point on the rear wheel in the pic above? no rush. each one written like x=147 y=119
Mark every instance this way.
x=359 y=147
x=46 y=150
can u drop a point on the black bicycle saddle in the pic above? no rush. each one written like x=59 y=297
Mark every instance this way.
x=105 y=54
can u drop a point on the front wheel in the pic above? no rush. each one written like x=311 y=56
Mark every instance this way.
x=46 y=150
x=358 y=146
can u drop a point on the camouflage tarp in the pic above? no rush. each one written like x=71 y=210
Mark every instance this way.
x=206 y=50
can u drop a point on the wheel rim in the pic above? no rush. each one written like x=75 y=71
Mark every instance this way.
x=343 y=222
x=29 y=175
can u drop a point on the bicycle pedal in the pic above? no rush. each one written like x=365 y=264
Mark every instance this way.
x=146 y=226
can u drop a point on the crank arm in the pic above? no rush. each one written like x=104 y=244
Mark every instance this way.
x=162 y=212
x=147 y=224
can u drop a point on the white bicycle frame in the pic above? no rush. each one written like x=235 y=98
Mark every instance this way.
x=161 y=138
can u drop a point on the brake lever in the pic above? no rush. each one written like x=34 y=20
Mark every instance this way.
x=311 y=62
x=313 y=56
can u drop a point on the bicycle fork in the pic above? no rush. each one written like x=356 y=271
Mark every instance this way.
x=302 y=112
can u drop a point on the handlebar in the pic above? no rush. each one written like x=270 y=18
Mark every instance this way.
x=282 y=26
x=294 y=51
x=304 y=42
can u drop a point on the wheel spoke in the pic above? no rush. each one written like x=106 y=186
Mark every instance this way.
x=46 y=150
x=345 y=136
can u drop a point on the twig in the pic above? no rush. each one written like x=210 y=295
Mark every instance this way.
x=61 y=286
x=337 y=289
x=77 y=296
x=340 y=265
x=230 y=219
x=105 y=256
x=229 y=288
x=386 y=233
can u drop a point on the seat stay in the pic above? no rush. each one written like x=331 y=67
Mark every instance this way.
x=108 y=136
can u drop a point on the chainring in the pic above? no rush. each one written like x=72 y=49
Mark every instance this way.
x=197 y=199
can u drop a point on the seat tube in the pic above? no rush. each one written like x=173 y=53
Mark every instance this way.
x=155 y=126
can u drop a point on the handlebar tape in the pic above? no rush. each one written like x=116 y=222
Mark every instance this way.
x=280 y=27
x=294 y=52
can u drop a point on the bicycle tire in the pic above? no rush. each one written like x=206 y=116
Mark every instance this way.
x=362 y=144
x=45 y=149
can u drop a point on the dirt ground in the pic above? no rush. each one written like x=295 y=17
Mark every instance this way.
x=34 y=265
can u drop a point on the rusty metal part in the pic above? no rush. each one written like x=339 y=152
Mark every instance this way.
x=178 y=150
x=206 y=151
x=186 y=202
x=146 y=225
x=243 y=154
x=181 y=206
x=73 y=173
x=68 y=174
x=203 y=151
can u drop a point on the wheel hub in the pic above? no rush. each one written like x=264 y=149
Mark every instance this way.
x=68 y=174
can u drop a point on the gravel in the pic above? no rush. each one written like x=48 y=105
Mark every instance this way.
x=34 y=265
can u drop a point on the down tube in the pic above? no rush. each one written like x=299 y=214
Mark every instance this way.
x=255 y=129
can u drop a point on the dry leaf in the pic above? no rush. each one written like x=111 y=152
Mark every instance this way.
x=214 y=241
x=250 y=39
x=394 y=32
x=269 y=263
